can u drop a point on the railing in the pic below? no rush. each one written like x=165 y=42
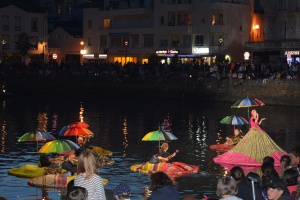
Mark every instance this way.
x=272 y=45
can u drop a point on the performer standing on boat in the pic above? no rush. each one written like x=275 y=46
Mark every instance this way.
x=253 y=147
x=254 y=120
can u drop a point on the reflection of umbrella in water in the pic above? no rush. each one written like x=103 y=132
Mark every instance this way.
x=58 y=146
x=159 y=135
x=36 y=136
x=247 y=103
x=234 y=120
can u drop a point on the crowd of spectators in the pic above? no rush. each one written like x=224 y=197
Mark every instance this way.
x=160 y=72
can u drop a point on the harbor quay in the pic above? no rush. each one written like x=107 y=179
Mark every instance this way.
x=272 y=92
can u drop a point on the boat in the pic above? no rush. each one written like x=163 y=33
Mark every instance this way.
x=221 y=147
x=54 y=181
x=174 y=169
x=102 y=151
x=32 y=171
x=27 y=171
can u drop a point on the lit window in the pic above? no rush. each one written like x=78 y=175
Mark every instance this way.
x=58 y=8
x=213 y=20
x=106 y=23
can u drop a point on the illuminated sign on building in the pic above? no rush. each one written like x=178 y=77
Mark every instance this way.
x=169 y=51
x=292 y=52
x=199 y=50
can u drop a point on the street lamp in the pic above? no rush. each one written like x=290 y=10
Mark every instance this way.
x=126 y=43
x=82 y=52
x=220 y=44
x=43 y=43
x=3 y=42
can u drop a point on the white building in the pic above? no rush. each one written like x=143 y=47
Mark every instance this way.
x=15 y=20
x=132 y=31
x=280 y=32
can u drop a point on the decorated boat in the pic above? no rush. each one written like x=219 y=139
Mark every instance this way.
x=27 y=171
x=54 y=181
x=174 y=169
x=102 y=151
x=221 y=147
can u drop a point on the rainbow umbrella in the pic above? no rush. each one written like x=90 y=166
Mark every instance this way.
x=58 y=146
x=159 y=135
x=234 y=120
x=36 y=136
x=247 y=103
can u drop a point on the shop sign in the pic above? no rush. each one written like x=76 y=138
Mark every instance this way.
x=168 y=51
x=292 y=52
x=198 y=50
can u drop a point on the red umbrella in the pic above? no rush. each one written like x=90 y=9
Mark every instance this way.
x=75 y=131
x=78 y=124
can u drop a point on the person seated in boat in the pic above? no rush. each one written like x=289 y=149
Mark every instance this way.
x=87 y=143
x=44 y=161
x=235 y=139
x=254 y=120
x=68 y=165
x=164 y=155
x=81 y=145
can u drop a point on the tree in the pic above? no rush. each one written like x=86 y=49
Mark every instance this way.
x=23 y=44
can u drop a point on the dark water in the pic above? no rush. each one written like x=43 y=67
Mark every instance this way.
x=196 y=125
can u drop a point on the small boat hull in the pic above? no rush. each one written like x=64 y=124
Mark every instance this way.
x=174 y=169
x=221 y=147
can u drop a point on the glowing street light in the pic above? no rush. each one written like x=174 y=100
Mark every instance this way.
x=43 y=43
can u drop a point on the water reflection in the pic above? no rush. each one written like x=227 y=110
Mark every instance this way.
x=42 y=120
x=3 y=136
x=125 y=141
x=114 y=120
x=81 y=110
x=166 y=125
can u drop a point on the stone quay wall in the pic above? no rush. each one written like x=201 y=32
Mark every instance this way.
x=274 y=92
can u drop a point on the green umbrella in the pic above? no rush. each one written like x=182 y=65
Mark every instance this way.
x=58 y=146
x=36 y=136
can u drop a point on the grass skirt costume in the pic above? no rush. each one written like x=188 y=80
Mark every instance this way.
x=251 y=150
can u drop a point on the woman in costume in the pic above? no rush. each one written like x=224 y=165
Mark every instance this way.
x=254 y=120
x=253 y=147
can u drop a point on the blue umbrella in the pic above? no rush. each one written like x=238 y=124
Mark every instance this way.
x=234 y=120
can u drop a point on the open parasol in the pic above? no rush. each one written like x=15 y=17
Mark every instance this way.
x=36 y=136
x=159 y=135
x=58 y=146
x=247 y=103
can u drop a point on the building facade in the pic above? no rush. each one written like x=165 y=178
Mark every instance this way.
x=14 y=21
x=280 y=33
x=132 y=31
